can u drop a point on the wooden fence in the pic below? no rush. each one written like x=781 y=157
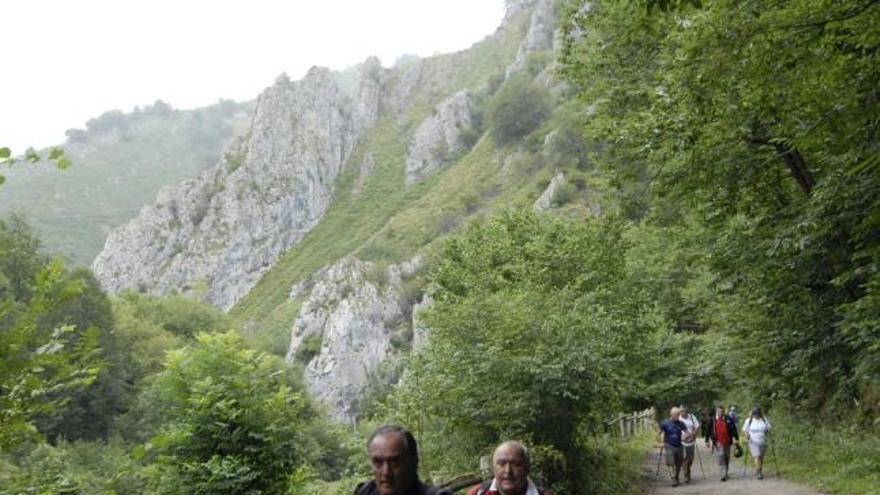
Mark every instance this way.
x=629 y=424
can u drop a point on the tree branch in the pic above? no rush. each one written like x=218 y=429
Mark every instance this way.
x=823 y=22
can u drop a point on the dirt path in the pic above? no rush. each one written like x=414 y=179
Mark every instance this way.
x=738 y=484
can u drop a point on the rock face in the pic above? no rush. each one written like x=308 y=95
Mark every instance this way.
x=216 y=235
x=541 y=33
x=439 y=137
x=514 y=7
x=545 y=201
x=354 y=319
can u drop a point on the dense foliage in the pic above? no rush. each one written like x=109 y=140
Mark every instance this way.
x=139 y=394
x=233 y=421
x=518 y=108
x=537 y=333
x=43 y=358
x=756 y=124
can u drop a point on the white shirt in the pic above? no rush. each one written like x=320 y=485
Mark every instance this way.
x=757 y=429
x=692 y=424
x=532 y=489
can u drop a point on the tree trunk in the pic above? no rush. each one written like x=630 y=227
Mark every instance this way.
x=796 y=165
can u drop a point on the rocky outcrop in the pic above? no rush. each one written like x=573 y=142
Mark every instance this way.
x=547 y=198
x=355 y=317
x=439 y=137
x=216 y=235
x=540 y=36
x=420 y=328
x=514 y=8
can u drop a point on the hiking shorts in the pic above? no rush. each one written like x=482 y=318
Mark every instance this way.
x=757 y=449
x=689 y=452
x=674 y=455
x=723 y=454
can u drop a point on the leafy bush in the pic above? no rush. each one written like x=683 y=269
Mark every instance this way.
x=44 y=356
x=564 y=193
x=179 y=315
x=234 y=422
x=517 y=109
x=309 y=348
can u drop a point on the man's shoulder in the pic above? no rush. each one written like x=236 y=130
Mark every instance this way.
x=436 y=490
x=474 y=490
x=369 y=488
x=366 y=488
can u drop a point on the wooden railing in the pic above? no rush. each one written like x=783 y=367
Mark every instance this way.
x=628 y=424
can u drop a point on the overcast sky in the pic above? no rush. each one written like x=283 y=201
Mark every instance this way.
x=64 y=62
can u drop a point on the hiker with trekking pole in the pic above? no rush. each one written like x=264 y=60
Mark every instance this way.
x=689 y=441
x=721 y=432
x=671 y=431
x=756 y=429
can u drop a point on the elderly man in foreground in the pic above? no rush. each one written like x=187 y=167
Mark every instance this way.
x=510 y=468
x=394 y=457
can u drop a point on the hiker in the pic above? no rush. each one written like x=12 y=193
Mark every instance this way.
x=394 y=457
x=708 y=414
x=671 y=430
x=511 y=465
x=688 y=439
x=756 y=429
x=721 y=431
x=731 y=411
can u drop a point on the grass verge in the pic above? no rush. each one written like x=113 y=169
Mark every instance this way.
x=837 y=458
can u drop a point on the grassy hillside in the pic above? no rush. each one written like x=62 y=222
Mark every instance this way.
x=119 y=163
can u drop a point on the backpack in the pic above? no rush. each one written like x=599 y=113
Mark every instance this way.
x=764 y=419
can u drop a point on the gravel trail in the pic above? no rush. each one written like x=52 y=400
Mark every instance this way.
x=738 y=484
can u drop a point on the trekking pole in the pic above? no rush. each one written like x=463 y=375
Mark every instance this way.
x=660 y=458
x=775 y=459
x=700 y=458
x=746 y=459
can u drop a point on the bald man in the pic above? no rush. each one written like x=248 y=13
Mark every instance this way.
x=394 y=457
x=511 y=465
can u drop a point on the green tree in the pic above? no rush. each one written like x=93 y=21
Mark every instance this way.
x=179 y=315
x=533 y=334
x=88 y=413
x=40 y=363
x=759 y=120
x=235 y=423
x=20 y=259
x=517 y=109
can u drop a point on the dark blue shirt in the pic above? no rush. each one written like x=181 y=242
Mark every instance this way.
x=672 y=432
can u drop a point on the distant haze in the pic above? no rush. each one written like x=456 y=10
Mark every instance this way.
x=65 y=62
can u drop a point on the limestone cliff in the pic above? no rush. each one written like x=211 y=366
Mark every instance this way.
x=439 y=137
x=356 y=316
x=218 y=233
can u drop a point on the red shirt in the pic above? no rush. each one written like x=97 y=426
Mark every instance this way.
x=722 y=437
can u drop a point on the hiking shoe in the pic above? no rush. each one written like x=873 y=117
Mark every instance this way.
x=724 y=478
x=760 y=475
